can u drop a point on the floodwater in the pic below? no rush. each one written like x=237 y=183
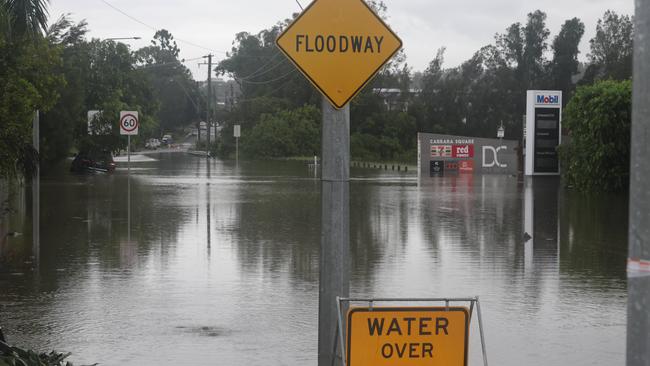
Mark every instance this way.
x=220 y=266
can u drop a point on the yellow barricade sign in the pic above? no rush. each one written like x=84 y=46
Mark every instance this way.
x=408 y=336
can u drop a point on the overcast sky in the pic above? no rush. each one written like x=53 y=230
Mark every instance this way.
x=463 y=26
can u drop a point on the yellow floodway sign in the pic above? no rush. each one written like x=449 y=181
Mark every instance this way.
x=408 y=336
x=339 y=45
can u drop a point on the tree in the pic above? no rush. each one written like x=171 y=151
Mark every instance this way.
x=268 y=82
x=611 y=48
x=113 y=84
x=565 y=56
x=261 y=70
x=58 y=125
x=598 y=118
x=26 y=17
x=172 y=83
x=28 y=82
x=523 y=49
x=285 y=133
x=536 y=35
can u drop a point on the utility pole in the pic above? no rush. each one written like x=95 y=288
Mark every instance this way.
x=638 y=265
x=232 y=97
x=198 y=114
x=335 y=230
x=208 y=112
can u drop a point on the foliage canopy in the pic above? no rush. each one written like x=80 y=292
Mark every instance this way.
x=598 y=118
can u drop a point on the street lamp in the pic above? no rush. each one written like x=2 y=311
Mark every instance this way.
x=501 y=131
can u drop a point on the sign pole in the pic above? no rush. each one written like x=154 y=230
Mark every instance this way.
x=237 y=134
x=128 y=193
x=36 y=194
x=129 y=125
x=339 y=74
x=335 y=229
x=638 y=267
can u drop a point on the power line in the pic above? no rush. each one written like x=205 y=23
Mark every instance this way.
x=260 y=68
x=257 y=73
x=128 y=16
x=157 y=29
x=173 y=63
x=267 y=94
x=267 y=81
x=196 y=106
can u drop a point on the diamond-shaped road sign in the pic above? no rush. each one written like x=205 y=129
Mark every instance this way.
x=339 y=45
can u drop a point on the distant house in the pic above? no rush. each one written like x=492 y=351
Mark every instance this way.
x=225 y=93
x=396 y=99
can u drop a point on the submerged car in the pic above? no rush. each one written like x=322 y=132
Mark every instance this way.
x=93 y=162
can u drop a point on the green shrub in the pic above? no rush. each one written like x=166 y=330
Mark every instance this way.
x=598 y=118
x=14 y=356
x=283 y=134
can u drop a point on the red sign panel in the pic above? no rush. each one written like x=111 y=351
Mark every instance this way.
x=466 y=166
x=463 y=151
x=451 y=165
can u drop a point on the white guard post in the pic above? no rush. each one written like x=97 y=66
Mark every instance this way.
x=345 y=302
x=544 y=132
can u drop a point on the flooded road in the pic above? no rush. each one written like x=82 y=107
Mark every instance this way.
x=222 y=263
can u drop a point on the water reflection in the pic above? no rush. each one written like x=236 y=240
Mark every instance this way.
x=221 y=260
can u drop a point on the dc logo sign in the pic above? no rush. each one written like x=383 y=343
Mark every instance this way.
x=491 y=160
x=547 y=99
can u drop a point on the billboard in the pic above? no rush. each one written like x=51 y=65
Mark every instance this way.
x=440 y=155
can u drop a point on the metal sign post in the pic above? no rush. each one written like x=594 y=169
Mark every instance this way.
x=129 y=125
x=237 y=135
x=335 y=228
x=36 y=195
x=128 y=191
x=339 y=45
x=638 y=267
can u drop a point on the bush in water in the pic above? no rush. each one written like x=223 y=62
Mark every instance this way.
x=598 y=118
x=14 y=356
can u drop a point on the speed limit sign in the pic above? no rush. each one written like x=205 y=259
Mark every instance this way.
x=129 y=123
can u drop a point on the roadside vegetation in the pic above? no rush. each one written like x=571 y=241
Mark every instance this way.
x=15 y=356
x=598 y=155
x=58 y=71
x=471 y=99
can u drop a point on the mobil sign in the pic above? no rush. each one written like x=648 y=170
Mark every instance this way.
x=549 y=99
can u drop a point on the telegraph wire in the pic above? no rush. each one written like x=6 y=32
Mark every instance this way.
x=267 y=81
x=128 y=16
x=187 y=94
x=264 y=72
x=151 y=66
x=157 y=29
x=260 y=68
x=267 y=94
